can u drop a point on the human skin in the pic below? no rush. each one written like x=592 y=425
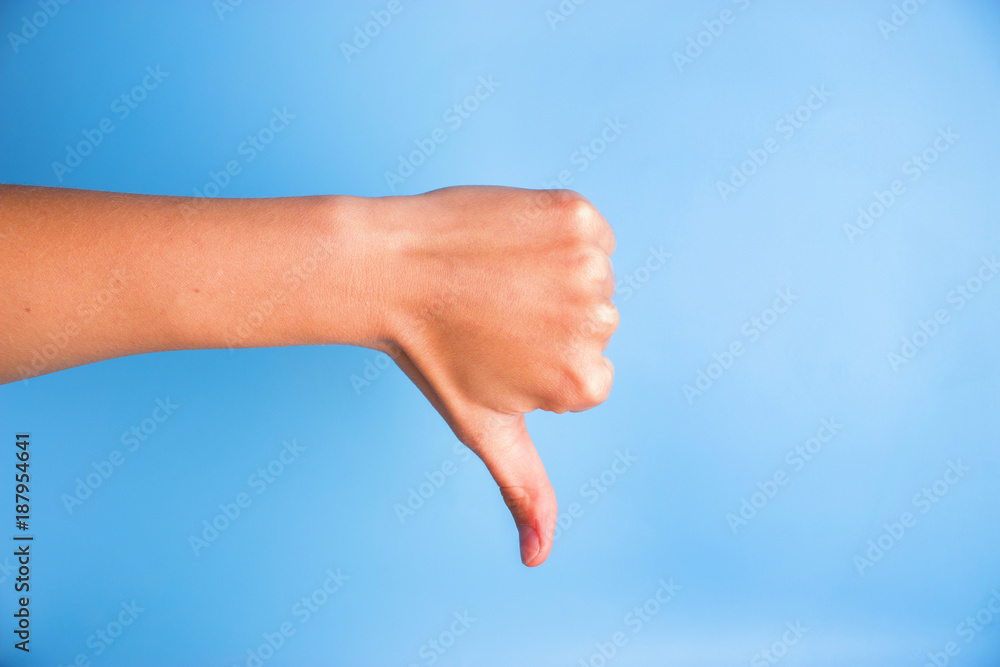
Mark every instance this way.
x=494 y=301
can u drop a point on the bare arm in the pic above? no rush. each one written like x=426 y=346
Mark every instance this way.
x=494 y=301
x=91 y=275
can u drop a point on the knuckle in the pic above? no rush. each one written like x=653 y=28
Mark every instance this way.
x=590 y=264
x=579 y=215
x=606 y=313
x=600 y=320
x=516 y=498
x=596 y=387
x=589 y=387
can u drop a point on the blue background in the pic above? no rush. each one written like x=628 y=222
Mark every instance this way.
x=665 y=516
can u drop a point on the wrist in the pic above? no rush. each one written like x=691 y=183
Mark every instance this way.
x=353 y=299
x=279 y=272
x=402 y=247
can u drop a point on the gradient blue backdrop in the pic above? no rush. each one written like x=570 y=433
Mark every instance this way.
x=666 y=515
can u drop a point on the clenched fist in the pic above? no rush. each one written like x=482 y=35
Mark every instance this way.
x=494 y=301
x=504 y=308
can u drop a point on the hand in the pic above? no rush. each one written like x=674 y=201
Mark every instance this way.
x=501 y=306
x=494 y=301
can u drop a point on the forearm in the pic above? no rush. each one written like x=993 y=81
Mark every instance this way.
x=91 y=275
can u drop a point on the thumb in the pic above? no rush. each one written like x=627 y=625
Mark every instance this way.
x=512 y=459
